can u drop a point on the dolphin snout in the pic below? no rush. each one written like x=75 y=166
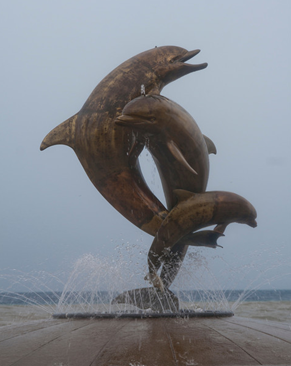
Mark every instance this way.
x=189 y=55
x=124 y=120
x=252 y=223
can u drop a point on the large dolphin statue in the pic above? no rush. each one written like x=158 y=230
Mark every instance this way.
x=103 y=147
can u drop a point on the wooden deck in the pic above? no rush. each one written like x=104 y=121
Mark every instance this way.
x=146 y=342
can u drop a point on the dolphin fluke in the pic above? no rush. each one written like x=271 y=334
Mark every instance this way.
x=173 y=259
x=63 y=134
x=149 y=298
x=204 y=238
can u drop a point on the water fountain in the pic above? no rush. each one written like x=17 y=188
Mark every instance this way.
x=124 y=114
x=116 y=339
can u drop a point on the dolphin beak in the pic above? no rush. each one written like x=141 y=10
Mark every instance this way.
x=252 y=223
x=130 y=121
x=125 y=120
x=188 y=56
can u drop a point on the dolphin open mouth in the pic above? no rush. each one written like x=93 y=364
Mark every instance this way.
x=187 y=56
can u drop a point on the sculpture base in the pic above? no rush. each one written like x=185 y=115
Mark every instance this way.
x=145 y=315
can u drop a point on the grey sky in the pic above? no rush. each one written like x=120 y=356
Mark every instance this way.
x=52 y=56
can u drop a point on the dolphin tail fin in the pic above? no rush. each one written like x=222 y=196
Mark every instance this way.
x=149 y=298
x=204 y=238
x=63 y=134
x=174 y=259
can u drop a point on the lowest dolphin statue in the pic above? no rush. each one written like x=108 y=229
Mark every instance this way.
x=102 y=146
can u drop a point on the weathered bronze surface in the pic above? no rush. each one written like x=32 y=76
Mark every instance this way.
x=173 y=138
x=102 y=147
x=108 y=135
x=193 y=212
x=180 y=152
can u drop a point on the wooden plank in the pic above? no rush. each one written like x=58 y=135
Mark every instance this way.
x=196 y=344
x=263 y=347
x=10 y=331
x=280 y=325
x=18 y=347
x=140 y=342
x=147 y=342
x=264 y=327
x=75 y=347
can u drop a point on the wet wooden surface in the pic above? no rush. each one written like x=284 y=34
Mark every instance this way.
x=146 y=342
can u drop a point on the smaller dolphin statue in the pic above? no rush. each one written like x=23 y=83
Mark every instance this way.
x=193 y=212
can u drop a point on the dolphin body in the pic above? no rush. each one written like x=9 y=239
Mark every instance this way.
x=175 y=141
x=193 y=212
x=103 y=147
x=181 y=155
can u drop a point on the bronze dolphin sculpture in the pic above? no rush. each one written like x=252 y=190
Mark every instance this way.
x=180 y=152
x=193 y=212
x=173 y=138
x=102 y=147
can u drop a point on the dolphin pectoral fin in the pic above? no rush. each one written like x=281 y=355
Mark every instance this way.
x=220 y=228
x=210 y=145
x=63 y=134
x=182 y=195
x=205 y=238
x=179 y=156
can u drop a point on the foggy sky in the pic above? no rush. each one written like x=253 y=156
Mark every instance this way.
x=54 y=53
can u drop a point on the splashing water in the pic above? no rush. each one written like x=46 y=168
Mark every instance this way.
x=95 y=281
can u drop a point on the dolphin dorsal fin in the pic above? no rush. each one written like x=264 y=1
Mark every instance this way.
x=179 y=156
x=210 y=145
x=63 y=134
x=182 y=195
